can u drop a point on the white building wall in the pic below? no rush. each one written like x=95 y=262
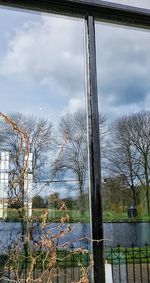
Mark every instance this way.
x=4 y=168
x=28 y=185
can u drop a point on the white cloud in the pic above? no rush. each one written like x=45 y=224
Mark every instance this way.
x=123 y=69
x=146 y=103
x=47 y=55
x=48 y=51
x=74 y=105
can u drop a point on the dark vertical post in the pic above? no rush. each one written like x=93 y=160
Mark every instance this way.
x=94 y=153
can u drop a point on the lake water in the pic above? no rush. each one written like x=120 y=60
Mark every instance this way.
x=123 y=233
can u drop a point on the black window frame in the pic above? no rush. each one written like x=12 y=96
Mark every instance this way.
x=100 y=10
x=91 y=10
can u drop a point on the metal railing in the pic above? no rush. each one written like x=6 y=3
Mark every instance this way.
x=129 y=265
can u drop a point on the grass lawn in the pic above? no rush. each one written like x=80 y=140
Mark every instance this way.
x=55 y=215
x=111 y=216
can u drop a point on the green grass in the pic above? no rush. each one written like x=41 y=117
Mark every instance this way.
x=55 y=215
x=114 y=216
x=111 y=216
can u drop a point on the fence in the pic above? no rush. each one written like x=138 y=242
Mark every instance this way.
x=129 y=265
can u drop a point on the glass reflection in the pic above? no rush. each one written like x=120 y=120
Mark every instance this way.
x=44 y=208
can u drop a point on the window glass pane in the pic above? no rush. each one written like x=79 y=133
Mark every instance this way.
x=123 y=57
x=43 y=145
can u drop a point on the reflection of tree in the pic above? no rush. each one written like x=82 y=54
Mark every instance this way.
x=20 y=160
x=53 y=200
x=38 y=202
x=74 y=158
x=116 y=194
x=129 y=153
x=22 y=134
x=40 y=141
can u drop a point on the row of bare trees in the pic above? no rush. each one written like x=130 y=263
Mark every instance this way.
x=125 y=150
x=125 y=146
x=53 y=157
x=61 y=155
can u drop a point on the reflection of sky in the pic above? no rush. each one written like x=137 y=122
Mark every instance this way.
x=136 y=3
x=123 y=69
x=37 y=72
x=42 y=66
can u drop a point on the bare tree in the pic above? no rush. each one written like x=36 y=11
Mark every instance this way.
x=129 y=152
x=121 y=156
x=74 y=159
x=40 y=134
x=116 y=194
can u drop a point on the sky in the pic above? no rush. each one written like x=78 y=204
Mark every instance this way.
x=42 y=66
x=137 y=3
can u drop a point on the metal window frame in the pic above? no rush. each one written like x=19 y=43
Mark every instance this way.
x=100 y=10
x=91 y=11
